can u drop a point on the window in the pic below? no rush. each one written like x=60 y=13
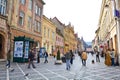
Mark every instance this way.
x=29 y=22
x=44 y=31
x=3 y=7
x=37 y=26
x=30 y=4
x=48 y=33
x=37 y=10
x=21 y=18
x=22 y=2
x=53 y=35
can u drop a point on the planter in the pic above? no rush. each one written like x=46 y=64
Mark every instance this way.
x=58 y=62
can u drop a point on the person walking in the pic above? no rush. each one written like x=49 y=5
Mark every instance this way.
x=8 y=59
x=72 y=57
x=97 y=56
x=67 y=57
x=112 y=57
x=31 y=58
x=84 y=58
x=46 y=56
x=107 y=58
x=38 y=57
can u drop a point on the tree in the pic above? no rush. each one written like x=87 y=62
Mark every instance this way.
x=58 y=55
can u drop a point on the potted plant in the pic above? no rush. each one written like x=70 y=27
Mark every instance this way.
x=58 y=59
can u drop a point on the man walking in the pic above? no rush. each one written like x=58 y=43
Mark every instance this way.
x=31 y=58
x=46 y=56
x=97 y=56
x=68 y=57
x=8 y=59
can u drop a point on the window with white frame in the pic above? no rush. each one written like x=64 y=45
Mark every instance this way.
x=29 y=22
x=3 y=7
x=21 y=18
x=37 y=10
x=22 y=2
x=30 y=4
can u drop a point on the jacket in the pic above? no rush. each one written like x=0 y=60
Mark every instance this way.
x=84 y=55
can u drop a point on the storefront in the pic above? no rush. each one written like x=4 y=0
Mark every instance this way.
x=21 y=49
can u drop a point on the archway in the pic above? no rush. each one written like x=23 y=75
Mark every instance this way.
x=2 y=48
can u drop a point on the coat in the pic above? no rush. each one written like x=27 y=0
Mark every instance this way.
x=68 y=55
x=107 y=58
x=84 y=55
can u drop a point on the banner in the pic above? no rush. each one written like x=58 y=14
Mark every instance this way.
x=18 y=49
x=26 y=49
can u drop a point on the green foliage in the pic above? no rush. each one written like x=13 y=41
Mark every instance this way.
x=58 y=55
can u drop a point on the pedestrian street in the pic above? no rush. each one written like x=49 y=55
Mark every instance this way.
x=50 y=71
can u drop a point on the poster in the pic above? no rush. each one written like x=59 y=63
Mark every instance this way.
x=18 y=49
x=26 y=49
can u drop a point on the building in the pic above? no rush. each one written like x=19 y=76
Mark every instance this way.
x=107 y=32
x=48 y=35
x=24 y=25
x=4 y=29
x=59 y=43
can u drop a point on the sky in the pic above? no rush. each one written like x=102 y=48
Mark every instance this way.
x=82 y=14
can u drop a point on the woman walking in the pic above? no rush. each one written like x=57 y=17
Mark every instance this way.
x=108 y=58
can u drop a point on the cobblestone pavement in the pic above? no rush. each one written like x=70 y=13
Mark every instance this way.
x=50 y=71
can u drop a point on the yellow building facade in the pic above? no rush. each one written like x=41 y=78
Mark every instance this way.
x=107 y=26
x=48 y=34
x=70 y=39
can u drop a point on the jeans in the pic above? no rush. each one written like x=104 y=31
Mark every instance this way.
x=68 y=64
x=112 y=59
x=46 y=61
x=8 y=63
x=84 y=62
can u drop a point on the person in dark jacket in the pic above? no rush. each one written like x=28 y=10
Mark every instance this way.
x=8 y=58
x=72 y=57
x=31 y=58
x=46 y=56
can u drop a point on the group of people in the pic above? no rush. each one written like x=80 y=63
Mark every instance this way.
x=31 y=58
x=69 y=57
x=110 y=57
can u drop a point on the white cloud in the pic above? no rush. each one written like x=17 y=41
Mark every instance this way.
x=83 y=14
